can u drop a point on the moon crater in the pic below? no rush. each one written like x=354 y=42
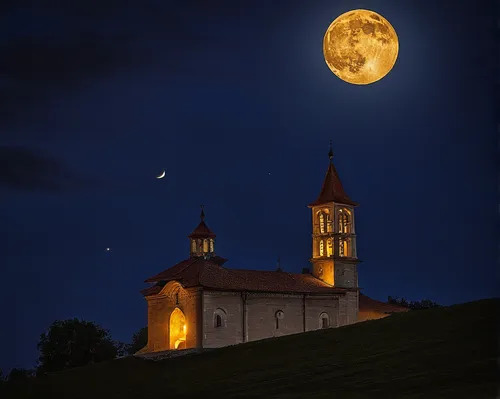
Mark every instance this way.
x=360 y=47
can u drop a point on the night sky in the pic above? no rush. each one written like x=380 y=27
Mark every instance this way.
x=235 y=101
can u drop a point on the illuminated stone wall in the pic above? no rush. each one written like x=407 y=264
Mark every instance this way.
x=160 y=308
x=218 y=318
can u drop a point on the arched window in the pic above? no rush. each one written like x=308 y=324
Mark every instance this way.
x=205 y=245
x=219 y=318
x=193 y=246
x=329 y=224
x=279 y=316
x=324 y=320
x=344 y=221
x=321 y=222
x=321 y=248
x=344 y=247
x=211 y=245
x=329 y=247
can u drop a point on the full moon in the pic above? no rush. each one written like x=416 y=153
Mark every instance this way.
x=360 y=47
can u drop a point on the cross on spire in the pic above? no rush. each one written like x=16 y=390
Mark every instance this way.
x=202 y=215
x=330 y=153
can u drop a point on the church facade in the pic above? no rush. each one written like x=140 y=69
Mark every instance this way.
x=201 y=303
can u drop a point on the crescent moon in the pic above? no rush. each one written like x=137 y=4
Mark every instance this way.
x=162 y=175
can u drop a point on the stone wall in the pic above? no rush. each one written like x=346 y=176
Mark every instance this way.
x=348 y=308
x=229 y=306
x=262 y=315
x=346 y=274
x=316 y=306
x=244 y=317
x=262 y=319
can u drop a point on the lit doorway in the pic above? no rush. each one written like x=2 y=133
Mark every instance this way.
x=177 y=329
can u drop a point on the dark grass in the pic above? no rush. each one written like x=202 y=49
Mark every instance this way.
x=437 y=353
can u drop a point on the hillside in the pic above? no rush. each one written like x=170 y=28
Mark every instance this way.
x=437 y=353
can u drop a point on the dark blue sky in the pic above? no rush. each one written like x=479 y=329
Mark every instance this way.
x=99 y=96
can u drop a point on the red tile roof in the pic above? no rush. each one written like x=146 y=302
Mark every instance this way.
x=209 y=273
x=155 y=289
x=332 y=190
x=202 y=231
x=367 y=304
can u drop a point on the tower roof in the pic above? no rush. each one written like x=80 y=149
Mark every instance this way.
x=332 y=190
x=202 y=230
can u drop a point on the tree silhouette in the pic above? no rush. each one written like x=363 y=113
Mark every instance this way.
x=139 y=341
x=414 y=305
x=74 y=343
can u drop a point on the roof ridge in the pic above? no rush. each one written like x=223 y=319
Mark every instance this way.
x=188 y=265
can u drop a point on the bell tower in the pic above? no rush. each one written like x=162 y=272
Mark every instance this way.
x=334 y=259
x=202 y=239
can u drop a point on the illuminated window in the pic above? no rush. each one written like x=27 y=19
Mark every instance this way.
x=211 y=245
x=218 y=321
x=321 y=248
x=329 y=247
x=329 y=224
x=205 y=245
x=321 y=222
x=344 y=247
x=344 y=221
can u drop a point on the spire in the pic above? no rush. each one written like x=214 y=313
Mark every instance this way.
x=202 y=230
x=332 y=189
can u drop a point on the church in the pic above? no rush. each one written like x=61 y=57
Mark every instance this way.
x=202 y=303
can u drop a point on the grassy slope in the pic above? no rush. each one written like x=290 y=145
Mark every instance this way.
x=438 y=353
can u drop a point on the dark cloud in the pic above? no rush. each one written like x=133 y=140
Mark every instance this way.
x=32 y=68
x=60 y=45
x=28 y=169
x=73 y=42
